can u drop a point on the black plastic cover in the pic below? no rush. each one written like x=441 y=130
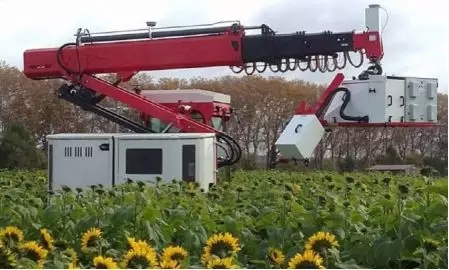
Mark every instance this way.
x=272 y=48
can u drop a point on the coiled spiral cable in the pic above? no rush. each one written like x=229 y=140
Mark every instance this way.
x=323 y=63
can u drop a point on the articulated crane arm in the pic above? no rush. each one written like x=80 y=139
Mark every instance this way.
x=129 y=52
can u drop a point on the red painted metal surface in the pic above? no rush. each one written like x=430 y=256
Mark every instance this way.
x=208 y=110
x=130 y=57
x=134 y=56
x=144 y=105
x=371 y=43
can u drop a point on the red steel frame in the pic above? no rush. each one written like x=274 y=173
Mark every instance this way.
x=208 y=110
x=144 y=105
x=128 y=58
x=134 y=56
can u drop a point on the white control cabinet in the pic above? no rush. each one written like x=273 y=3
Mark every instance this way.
x=387 y=99
x=421 y=100
x=300 y=137
x=82 y=160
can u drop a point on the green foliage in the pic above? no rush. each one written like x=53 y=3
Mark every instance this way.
x=379 y=221
x=18 y=149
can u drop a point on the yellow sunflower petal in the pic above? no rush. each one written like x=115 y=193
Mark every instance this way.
x=309 y=259
x=174 y=253
x=140 y=257
x=276 y=256
x=46 y=239
x=11 y=232
x=220 y=245
x=101 y=262
x=88 y=237
x=33 y=251
x=219 y=263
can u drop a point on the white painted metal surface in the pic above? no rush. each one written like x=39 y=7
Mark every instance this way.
x=372 y=18
x=75 y=160
x=185 y=95
x=387 y=99
x=81 y=160
x=300 y=137
x=421 y=99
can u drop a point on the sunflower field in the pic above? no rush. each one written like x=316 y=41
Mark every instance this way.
x=258 y=219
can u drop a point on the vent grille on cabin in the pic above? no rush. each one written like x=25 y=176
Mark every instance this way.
x=67 y=151
x=88 y=151
x=77 y=151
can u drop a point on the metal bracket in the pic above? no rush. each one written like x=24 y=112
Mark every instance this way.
x=150 y=25
x=167 y=128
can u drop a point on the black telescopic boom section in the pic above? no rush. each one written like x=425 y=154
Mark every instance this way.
x=271 y=48
x=155 y=34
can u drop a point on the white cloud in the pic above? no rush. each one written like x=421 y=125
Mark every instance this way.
x=415 y=38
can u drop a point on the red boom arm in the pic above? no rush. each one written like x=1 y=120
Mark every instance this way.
x=228 y=48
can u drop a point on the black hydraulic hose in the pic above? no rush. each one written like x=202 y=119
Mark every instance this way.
x=346 y=98
x=234 y=147
x=59 y=54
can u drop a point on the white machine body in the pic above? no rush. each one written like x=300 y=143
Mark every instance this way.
x=185 y=95
x=387 y=99
x=300 y=137
x=82 y=160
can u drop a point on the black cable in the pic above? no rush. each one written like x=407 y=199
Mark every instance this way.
x=224 y=149
x=234 y=147
x=346 y=99
x=59 y=54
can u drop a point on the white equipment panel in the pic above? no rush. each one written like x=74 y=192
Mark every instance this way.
x=82 y=160
x=387 y=99
x=185 y=95
x=76 y=160
x=421 y=100
x=300 y=137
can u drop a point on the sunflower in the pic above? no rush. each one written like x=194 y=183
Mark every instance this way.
x=309 y=259
x=74 y=258
x=320 y=241
x=276 y=256
x=35 y=252
x=90 y=239
x=139 y=257
x=11 y=234
x=221 y=263
x=46 y=239
x=8 y=259
x=101 y=262
x=132 y=243
x=174 y=253
x=169 y=264
x=221 y=246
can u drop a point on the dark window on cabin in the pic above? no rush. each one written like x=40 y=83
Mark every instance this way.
x=188 y=162
x=144 y=161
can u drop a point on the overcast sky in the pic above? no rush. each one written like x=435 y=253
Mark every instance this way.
x=415 y=37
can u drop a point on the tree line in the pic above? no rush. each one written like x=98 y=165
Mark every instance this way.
x=261 y=105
